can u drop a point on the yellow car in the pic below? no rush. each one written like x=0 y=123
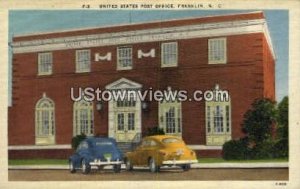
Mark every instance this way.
x=161 y=150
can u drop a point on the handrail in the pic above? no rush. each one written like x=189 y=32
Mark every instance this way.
x=136 y=138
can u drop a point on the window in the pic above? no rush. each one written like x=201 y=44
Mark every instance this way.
x=120 y=121
x=170 y=117
x=83 y=116
x=218 y=119
x=44 y=121
x=171 y=140
x=217 y=51
x=82 y=145
x=153 y=143
x=227 y=118
x=127 y=102
x=169 y=54
x=218 y=122
x=83 y=61
x=208 y=118
x=45 y=63
x=131 y=121
x=170 y=120
x=124 y=58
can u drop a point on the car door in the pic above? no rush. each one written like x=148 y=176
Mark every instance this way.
x=148 y=151
x=140 y=153
x=152 y=150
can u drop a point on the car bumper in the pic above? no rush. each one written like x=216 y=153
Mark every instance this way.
x=179 y=162
x=98 y=162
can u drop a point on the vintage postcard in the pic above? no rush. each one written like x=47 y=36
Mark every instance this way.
x=156 y=95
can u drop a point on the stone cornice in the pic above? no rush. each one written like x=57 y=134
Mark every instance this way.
x=147 y=35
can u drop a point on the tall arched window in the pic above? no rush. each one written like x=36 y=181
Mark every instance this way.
x=83 y=118
x=170 y=117
x=44 y=121
x=218 y=121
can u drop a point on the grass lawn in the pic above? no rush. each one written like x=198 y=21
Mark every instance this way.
x=220 y=160
x=201 y=160
x=37 y=162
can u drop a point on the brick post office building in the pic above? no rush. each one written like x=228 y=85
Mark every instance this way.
x=229 y=52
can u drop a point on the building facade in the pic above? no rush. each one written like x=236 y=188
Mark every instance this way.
x=229 y=52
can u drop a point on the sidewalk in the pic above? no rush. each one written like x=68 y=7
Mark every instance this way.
x=196 y=166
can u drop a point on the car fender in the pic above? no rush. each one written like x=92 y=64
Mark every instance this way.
x=87 y=158
x=131 y=157
x=128 y=155
x=76 y=160
x=157 y=157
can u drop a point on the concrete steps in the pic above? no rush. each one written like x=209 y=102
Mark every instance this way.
x=125 y=146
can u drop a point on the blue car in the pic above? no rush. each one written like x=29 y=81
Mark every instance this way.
x=96 y=151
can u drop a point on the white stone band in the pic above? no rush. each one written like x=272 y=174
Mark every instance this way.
x=148 y=35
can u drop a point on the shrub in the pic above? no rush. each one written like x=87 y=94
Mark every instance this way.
x=258 y=120
x=281 y=148
x=264 y=150
x=236 y=149
x=77 y=139
x=155 y=131
x=257 y=125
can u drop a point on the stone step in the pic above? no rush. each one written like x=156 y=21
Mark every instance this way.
x=125 y=146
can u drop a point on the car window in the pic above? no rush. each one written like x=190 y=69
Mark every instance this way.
x=145 y=143
x=153 y=143
x=104 y=143
x=148 y=143
x=83 y=145
x=171 y=140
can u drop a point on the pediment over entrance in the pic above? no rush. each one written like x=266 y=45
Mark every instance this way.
x=123 y=83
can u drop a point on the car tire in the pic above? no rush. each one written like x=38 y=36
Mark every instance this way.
x=71 y=167
x=152 y=166
x=85 y=167
x=117 y=168
x=129 y=166
x=186 y=167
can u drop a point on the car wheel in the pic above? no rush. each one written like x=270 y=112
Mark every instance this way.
x=117 y=168
x=129 y=166
x=85 y=167
x=71 y=167
x=186 y=167
x=152 y=166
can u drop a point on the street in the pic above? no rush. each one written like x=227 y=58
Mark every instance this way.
x=144 y=174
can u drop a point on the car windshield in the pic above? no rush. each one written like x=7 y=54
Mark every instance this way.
x=83 y=145
x=171 y=141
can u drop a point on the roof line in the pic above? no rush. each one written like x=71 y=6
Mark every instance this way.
x=127 y=24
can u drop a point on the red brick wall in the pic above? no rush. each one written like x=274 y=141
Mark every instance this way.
x=43 y=154
x=269 y=72
x=208 y=153
x=248 y=74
